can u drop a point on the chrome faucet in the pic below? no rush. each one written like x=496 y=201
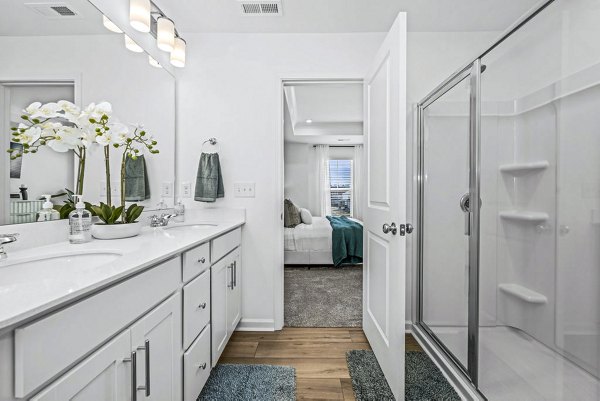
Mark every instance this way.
x=6 y=239
x=160 y=221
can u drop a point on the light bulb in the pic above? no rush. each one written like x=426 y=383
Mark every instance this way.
x=131 y=45
x=108 y=24
x=165 y=34
x=139 y=14
x=178 y=53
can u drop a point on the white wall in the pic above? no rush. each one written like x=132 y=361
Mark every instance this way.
x=231 y=89
x=300 y=179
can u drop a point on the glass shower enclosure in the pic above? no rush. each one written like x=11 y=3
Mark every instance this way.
x=509 y=210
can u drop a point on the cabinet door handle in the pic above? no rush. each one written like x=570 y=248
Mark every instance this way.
x=230 y=284
x=235 y=273
x=202 y=305
x=146 y=349
x=133 y=360
x=202 y=260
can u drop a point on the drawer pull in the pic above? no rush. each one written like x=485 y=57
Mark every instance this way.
x=146 y=349
x=202 y=260
x=133 y=360
x=202 y=305
x=203 y=366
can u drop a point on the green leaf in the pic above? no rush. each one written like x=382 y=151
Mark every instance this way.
x=133 y=213
x=116 y=213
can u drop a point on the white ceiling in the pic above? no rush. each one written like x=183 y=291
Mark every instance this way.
x=324 y=113
x=16 y=19
x=303 y=16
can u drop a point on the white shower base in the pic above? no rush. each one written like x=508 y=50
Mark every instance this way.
x=515 y=367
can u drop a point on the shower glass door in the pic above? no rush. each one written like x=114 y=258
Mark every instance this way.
x=443 y=205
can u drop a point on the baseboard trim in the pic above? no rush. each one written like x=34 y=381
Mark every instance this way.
x=256 y=325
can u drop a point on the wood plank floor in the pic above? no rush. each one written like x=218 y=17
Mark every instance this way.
x=318 y=354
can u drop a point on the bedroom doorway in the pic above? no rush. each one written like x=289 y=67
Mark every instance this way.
x=323 y=192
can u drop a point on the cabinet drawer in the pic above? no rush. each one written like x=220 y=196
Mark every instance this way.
x=195 y=261
x=196 y=366
x=46 y=347
x=224 y=244
x=196 y=307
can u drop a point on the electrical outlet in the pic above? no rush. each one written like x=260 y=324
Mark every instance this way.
x=186 y=190
x=166 y=189
x=244 y=189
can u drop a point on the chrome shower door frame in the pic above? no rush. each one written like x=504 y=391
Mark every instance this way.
x=473 y=73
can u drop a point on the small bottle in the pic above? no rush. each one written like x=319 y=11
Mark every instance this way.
x=48 y=213
x=80 y=223
x=179 y=212
x=162 y=205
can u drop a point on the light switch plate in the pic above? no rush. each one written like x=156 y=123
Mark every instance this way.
x=166 y=189
x=244 y=189
x=186 y=189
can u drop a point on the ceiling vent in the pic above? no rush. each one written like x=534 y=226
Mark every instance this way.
x=260 y=8
x=53 y=10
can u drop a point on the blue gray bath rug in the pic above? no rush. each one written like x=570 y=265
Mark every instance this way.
x=250 y=383
x=424 y=381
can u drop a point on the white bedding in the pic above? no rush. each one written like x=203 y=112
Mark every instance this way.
x=309 y=237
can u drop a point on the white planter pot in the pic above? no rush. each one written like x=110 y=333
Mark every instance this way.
x=116 y=231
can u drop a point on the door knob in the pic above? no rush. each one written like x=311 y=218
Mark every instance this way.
x=390 y=228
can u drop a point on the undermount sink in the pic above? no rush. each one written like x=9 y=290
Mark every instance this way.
x=197 y=226
x=48 y=266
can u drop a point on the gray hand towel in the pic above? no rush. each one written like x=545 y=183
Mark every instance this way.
x=137 y=186
x=209 y=182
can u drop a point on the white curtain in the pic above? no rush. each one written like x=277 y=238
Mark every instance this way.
x=357 y=184
x=322 y=186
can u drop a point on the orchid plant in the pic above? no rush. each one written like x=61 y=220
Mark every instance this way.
x=62 y=126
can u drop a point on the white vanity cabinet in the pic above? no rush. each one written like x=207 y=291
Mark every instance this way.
x=226 y=298
x=153 y=335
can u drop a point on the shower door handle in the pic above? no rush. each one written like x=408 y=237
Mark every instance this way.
x=465 y=207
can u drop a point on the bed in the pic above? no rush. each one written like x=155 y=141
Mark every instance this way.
x=309 y=244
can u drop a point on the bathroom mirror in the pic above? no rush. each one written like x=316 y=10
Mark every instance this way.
x=64 y=52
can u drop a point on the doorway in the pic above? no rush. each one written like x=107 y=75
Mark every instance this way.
x=323 y=168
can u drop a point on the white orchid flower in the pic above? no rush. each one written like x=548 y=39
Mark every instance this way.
x=67 y=138
x=87 y=138
x=30 y=136
x=119 y=132
x=50 y=128
x=72 y=112
x=32 y=108
x=104 y=139
x=48 y=110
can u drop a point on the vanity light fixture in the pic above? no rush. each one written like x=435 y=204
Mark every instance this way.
x=140 y=15
x=108 y=24
x=153 y=62
x=178 y=53
x=165 y=34
x=309 y=121
x=131 y=45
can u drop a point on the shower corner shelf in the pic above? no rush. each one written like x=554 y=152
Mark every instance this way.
x=524 y=168
x=524 y=216
x=523 y=293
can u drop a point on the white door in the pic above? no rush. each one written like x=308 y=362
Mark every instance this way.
x=157 y=341
x=384 y=262
x=234 y=294
x=221 y=278
x=103 y=376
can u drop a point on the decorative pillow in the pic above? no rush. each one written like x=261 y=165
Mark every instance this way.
x=305 y=216
x=291 y=214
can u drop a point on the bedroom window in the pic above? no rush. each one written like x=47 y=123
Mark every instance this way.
x=340 y=182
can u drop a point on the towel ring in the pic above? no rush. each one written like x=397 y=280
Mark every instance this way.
x=211 y=141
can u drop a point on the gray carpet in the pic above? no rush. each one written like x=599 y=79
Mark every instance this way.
x=323 y=297
x=250 y=383
x=424 y=381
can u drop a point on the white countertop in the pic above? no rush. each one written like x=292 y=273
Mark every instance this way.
x=23 y=299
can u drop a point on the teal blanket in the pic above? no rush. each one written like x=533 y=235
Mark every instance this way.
x=347 y=240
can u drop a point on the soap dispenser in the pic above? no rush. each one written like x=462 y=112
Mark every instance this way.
x=80 y=223
x=48 y=212
x=179 y=212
